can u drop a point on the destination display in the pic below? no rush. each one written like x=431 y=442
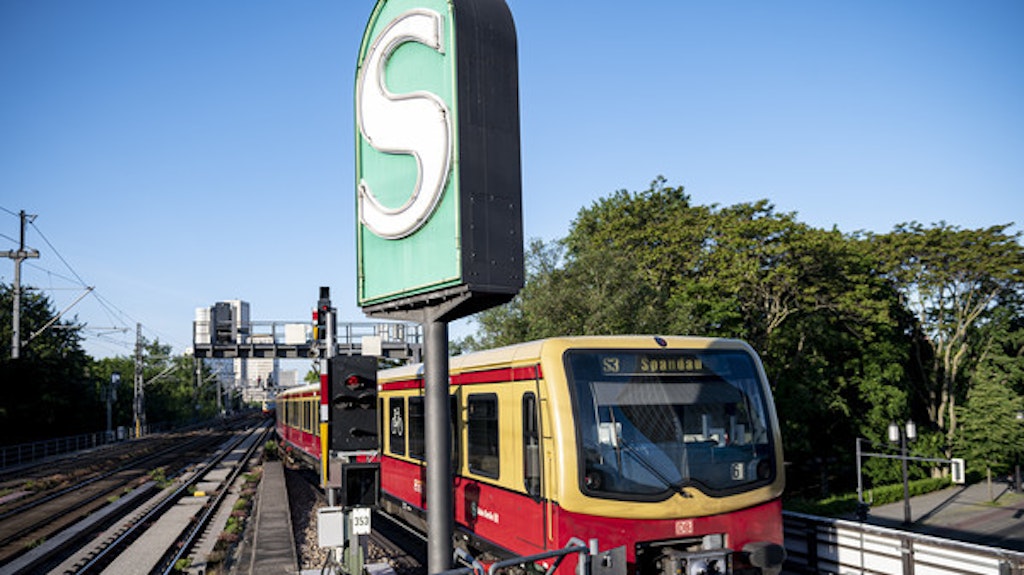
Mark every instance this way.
x=621 y=364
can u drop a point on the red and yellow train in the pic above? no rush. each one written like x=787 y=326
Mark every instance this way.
x=665 y=447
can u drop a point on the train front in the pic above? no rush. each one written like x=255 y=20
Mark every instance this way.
x=678 y=458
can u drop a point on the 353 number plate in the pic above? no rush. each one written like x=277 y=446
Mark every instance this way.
x=361 y=521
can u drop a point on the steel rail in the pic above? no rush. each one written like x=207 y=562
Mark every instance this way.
x=47 y=498
x=109 y=552
x=199 y=526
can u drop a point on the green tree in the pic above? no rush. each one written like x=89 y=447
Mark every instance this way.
x=991 y=434
x=810 y=301
x=47 y=391
x=171 y=391
x=953 y=281
x=101 y=371
x=990 y=437
x=172 y=396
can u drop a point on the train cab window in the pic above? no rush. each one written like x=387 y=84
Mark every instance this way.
x=417 y=441
x=650 y=422
x=531 y=446
x=396 y=425
x=482 y=430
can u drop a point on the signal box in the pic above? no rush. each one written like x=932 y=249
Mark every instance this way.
x=353 y=403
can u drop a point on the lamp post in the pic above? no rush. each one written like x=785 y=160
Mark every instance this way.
x=1016 y=468
x=902 y=435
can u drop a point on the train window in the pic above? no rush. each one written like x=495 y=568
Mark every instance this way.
x=396 y=423
x=417 y=443
x=531 y=446
x=482 y=428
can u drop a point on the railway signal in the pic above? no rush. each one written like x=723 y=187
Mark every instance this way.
x=353 y=403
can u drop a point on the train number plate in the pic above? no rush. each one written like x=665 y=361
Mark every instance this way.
x=361 y=521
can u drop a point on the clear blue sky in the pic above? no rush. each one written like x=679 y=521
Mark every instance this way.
x=180 y=153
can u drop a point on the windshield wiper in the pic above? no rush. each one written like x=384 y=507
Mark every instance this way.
x=675 y=487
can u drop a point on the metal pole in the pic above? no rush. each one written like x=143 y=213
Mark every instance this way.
x=138 y=403
x=115 y=379
x=199 y=383
x=860 y=483
x=18 y=257
x=438 y=436
x=220 y=399
x=906 y=478
x=1016 y=476
x=16 y=325
x=325 y=387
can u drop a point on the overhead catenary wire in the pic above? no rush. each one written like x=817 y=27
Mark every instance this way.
x=57 y=253
x=115 y=315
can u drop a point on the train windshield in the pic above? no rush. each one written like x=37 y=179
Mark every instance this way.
x=653 y=423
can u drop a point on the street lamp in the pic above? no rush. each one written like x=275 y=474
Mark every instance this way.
x=902 y=435
x=1016 y=467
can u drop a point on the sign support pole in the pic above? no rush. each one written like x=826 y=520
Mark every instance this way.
x=439 y=443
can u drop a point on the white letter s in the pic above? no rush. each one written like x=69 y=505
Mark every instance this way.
x=416 y=123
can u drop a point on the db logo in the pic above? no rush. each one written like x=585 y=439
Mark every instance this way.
x=684 y=527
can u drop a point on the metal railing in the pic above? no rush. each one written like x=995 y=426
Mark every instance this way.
x=280 y=332
x=824 y=545
x=24 y=453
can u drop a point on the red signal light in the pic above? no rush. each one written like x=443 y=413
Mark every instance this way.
x=353 y=382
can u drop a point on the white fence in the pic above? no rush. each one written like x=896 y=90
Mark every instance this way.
x=823 y=545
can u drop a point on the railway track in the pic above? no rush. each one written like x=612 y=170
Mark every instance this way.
x=28 y=483
x=38 y=517
x=396 y=544
x=86 y=529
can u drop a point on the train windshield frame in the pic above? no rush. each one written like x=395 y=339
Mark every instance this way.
x=651 y=423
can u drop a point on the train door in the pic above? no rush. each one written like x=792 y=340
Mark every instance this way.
x=534 y=510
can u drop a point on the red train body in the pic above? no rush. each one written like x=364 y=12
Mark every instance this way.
x=667 y=449
x=298 y=421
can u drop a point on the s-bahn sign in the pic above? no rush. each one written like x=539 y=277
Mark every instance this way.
x=438 y=184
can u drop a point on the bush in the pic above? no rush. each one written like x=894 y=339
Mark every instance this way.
x=846 y=504
x=270 y=451
x=893 y=493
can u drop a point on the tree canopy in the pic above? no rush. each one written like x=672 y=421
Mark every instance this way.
x=855 y=330
x=55 y=389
